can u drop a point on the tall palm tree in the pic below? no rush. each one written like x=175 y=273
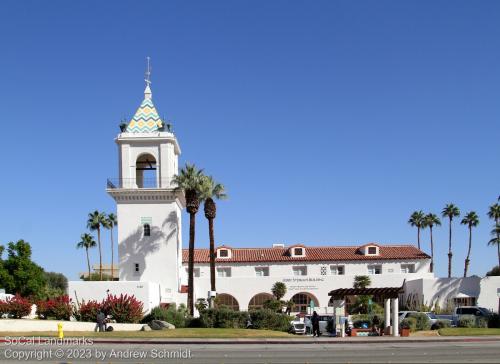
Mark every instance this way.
x=450 y=211
x=190 y=180
x=95 y=221
x=87 y=242
x=494 y=214
x=110 y=223
x=471 y=220
x=416 y=220
x=431 y=220
x=211 y=190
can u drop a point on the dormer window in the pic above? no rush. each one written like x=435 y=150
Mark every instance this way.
x=297 y=251
x=224 y=253
x=370 y=249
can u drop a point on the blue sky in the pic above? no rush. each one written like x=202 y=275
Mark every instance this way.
x=328 y=121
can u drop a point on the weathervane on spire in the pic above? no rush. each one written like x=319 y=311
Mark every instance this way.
x=148 y=72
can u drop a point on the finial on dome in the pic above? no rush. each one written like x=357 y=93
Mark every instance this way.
x=147 y=92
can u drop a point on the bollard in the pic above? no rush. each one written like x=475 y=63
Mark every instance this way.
x=60 y=330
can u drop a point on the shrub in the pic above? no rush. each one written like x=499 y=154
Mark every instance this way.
x=493 y=321
x=222 y=317
x=409 y=323
x=172 y=315
x=273 y=305
x=88 y=311
x=423 y=322
x=441 y=324
x=18 y=307
x=482 y=322
x=269 y=320
x=467 y=321
x=59 y=308
x=4 y=308
x=123 y=308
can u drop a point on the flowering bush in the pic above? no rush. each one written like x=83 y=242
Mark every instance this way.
x=59 y=308
x=123 y=308
x=4 y=308
x=18 y=307
x=88 y=311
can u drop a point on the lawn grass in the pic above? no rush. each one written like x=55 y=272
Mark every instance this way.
x=202 y=333
x=463 y=331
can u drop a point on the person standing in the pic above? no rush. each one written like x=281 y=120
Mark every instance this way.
x=315 y=324
x=100 y=321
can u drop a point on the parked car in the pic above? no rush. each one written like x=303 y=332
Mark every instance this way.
x=469 y=311
x=432 y=317
x=323 y=323
x=298 y=327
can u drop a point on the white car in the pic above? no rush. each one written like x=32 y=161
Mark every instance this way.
x=298 y=327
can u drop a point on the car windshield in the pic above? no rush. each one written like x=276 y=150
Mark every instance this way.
x=431 y=315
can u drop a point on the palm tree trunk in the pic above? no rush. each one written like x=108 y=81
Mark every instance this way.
x=418 y=237
x=112 y=254
x=498 y=242
x=432 y=252
x=100 y=252
x=467 y=260
x=88 y=261
x=450 y=254
x=212 y=253
x=190 y=303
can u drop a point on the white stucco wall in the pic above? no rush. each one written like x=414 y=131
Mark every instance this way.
x=244 y=284
x=157 y=254
x=441 y=291
x=146 y=292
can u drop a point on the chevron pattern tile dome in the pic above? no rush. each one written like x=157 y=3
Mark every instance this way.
x=146 y=118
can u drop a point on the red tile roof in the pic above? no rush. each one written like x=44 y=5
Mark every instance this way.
x=313 y=253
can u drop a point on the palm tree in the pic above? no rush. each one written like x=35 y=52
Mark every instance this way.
x=190 y=180
x=450 y=211
x=279 y=290
x=95 y=220
x=431 y=220
x=471 y=220
x=87 y=242
x=110 y=223
x=211 y=190
x=494 y=214
x=362 y=282
x=495 y=240
x=416 y=220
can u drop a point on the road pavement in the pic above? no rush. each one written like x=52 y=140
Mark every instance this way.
x=320 y=352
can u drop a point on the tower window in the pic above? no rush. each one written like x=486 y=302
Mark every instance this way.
x=147 y=230
x=136 y=267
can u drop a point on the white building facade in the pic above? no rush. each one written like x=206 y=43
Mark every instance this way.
x=153 y=266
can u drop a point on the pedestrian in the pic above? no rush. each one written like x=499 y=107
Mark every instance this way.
x=100 y=321
x=375 y=325
x=315 y=324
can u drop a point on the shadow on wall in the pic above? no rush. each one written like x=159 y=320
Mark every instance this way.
x=136 y=246
x=445 y=289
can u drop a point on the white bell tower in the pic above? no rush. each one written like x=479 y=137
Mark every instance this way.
x=148 y=207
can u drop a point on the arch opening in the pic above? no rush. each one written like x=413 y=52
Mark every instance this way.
x=301 y=301
x=224 y=299
x=257 y=301
x=145 y=171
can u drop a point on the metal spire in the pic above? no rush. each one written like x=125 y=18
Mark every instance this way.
x=148 y=72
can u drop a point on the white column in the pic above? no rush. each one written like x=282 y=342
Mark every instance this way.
x=387 y=316
x=395 y=317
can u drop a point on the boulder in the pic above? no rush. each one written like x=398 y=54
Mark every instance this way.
x=160 y=325
x=145 y=328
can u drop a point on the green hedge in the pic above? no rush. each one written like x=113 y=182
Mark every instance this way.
x=227 y=318
x=172 y=314
x=422 y=321
x=467 y=321
x=494 y=321
x=410 y=323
